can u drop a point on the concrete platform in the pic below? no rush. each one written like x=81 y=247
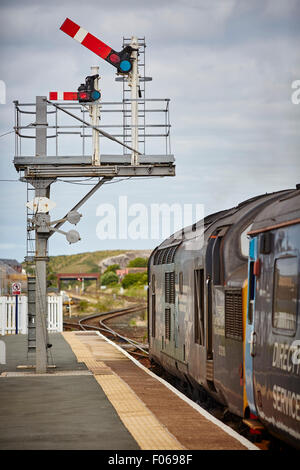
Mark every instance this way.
x=65 y=409
x=60 y=354
x=99 y=397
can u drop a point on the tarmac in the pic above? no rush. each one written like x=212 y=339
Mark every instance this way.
x=97 y=397
x=56 y=411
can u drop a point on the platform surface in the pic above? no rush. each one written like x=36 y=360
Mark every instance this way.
x=99 y=397
x=64 y=410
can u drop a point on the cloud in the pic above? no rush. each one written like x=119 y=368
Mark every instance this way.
x=227 y=67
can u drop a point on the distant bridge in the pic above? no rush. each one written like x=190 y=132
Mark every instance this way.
x=78 y=277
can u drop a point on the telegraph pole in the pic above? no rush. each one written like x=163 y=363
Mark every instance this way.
x=42 y=232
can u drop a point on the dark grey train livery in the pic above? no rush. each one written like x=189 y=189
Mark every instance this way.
x=273 y=326
x=198 y=302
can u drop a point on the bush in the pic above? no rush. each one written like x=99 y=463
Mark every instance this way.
x=132 y=279
x=109 y=278
x=138 y=263
x=83 y=305
x=112 y=268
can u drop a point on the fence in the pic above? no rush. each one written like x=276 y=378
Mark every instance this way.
x=8 y=316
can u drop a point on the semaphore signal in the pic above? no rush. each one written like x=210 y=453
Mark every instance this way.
x=63 y=95
x=86 y=93
x=121 y=60
x=43 y=169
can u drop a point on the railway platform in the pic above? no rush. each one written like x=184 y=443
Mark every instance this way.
x=98 y=397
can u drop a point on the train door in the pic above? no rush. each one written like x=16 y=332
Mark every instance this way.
x=250 y=334
x=199 y=306
x=276 y=364
x=214 y=277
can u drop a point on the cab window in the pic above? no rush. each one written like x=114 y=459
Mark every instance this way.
x=285 y=293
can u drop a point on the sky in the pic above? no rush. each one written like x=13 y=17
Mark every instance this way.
x=228 y=68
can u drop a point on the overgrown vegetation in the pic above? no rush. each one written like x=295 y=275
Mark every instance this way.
x=138 y=263
x=113 y=268
x=82 y=262
x=132 y=284
x=134 y=279
x=109 y=278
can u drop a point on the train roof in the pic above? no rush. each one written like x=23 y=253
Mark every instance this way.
x=282 y=212
x=225 y=217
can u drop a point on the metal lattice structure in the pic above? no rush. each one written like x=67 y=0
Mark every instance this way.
x=48 y=136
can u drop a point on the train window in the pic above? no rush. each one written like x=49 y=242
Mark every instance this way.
x=199 y=306
x=285 y=293
x=159 y=256
x=244 y=241
x=181 y=282
x=216 y=265
x=166 y=255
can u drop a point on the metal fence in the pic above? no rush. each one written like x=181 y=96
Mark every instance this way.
x=8 y=316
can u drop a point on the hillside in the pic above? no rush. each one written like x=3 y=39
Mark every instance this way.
x=85 y=262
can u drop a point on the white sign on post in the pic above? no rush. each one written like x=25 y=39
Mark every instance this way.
x=16 y=288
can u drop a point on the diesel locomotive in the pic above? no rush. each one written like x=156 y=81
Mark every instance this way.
x=223 y=309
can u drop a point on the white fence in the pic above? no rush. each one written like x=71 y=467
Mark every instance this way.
x=8 y=314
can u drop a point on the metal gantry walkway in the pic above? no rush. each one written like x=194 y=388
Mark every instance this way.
x=44 y=133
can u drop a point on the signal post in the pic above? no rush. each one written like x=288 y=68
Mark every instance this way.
x=42 y=169
x=95 y=118
x=133 y=82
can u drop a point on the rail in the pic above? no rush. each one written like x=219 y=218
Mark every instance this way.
x=83 y=325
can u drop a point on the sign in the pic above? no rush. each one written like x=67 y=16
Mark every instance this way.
x=16 y=288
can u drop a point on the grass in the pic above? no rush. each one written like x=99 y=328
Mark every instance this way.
x=137 y=292
x=81 y=262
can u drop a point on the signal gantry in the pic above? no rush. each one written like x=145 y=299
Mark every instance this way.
x=42 y=166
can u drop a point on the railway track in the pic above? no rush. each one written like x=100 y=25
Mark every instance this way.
x=97 y=322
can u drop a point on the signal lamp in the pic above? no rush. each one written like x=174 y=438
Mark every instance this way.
x=121 y=60
x=114 y=58
x=125 y=66
x=87 y=92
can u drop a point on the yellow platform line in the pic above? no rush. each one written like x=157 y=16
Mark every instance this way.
x=145 y=428
x=148 y=432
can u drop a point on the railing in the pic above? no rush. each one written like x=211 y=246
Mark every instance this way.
x=59 y=126
x=55 y=313
x=8 y=316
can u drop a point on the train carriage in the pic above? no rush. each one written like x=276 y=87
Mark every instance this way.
x=198 y=297
x=273 y=327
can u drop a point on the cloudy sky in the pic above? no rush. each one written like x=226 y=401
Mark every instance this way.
x=228 y=68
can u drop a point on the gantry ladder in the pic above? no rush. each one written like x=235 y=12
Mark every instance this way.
x=141 y=105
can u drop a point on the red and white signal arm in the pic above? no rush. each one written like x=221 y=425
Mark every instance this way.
x=63 y=95
x=121 y=60
x=16 y=288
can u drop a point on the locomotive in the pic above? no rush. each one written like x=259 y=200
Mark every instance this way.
x=223 y=309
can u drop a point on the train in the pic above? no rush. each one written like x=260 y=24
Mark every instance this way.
x=223 y=310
